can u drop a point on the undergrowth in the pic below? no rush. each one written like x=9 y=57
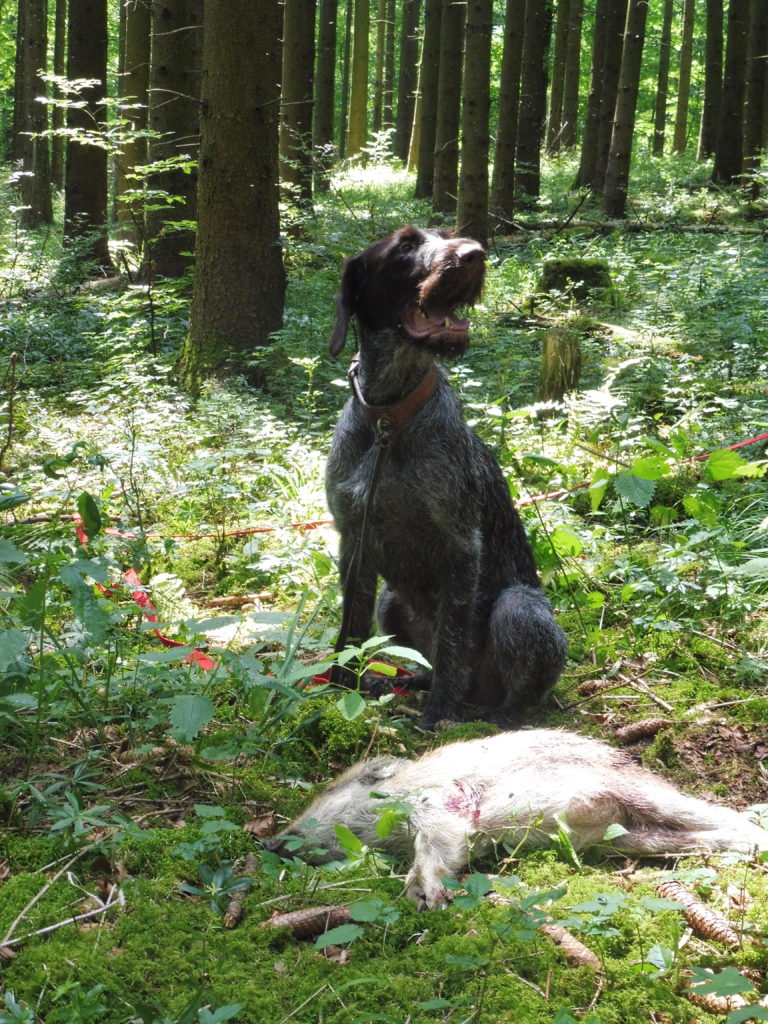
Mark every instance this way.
x=128 y=772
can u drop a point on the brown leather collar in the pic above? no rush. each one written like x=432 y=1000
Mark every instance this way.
x=385 y=419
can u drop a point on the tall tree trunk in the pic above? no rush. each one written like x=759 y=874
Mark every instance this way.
x=533 y=97
x=346 y=66
x=445 y=184
x=174 y=115
x=358 y=98
x=472 y=207
x=569 y=133
x=429 y=70
x=662 y=81
x=378 y=79
x=298 y=79
x=325 y=91
x=684 y=78
x=588 y=157
x=754 y=109
x=389 y=66
x=617 y=17
x=619 y=158
x=730 y=136
x=85 y=193
x=35 y=159
x=58 y=114
x=239 y=286
x=133 y=88
x=713 y=80
x=19 y=80
x=557 y=88
x=407 y=77
x=503 y=180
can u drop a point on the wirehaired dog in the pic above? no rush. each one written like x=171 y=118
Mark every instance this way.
x=440 y=528
x=510 y=791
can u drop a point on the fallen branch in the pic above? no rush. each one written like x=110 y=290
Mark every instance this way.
x=38 y=896
x=234 y=912
x=115 y=898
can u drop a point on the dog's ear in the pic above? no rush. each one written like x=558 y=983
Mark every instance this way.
x=346 y=301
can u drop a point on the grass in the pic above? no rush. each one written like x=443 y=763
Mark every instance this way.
x=145 y=769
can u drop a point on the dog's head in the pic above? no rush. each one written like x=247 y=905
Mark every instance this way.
x=412 y=281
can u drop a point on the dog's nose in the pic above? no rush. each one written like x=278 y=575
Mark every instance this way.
x=470 y=252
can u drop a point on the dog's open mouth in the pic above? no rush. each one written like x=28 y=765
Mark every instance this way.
x=421 y=324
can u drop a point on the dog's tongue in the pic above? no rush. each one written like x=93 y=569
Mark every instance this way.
x=420 y=323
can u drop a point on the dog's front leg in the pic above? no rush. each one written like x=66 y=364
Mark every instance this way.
x=453 y=642
x=358 y=582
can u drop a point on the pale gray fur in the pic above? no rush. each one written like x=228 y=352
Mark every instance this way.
x=467 y=797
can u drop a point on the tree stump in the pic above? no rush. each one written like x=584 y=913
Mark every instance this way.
x=560 y=364
x=579 y=276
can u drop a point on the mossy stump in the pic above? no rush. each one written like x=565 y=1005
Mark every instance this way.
x=560 y=364
x=576 y=276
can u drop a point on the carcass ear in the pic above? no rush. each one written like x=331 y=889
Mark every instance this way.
x=346 y=301
x=380 y=768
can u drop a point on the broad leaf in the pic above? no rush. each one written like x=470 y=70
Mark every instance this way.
x=189 y=714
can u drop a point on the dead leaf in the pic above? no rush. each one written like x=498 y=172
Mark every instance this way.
x=261 y=826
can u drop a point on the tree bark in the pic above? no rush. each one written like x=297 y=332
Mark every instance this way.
x=133 y=88
x=358 y=99
x=85 y=194
x=662 y=81
x=325 y=89
x=428 y=90
x=175 y=116
x=35 y=159
x=588 y=157
x=503 y=179
x=754 y=106
x=729 y=151
x=684 y=79
x=407 y=77
x=614 y=43
x=557 y=87
x=472 y=207
x=569 y=132
x=346 y=65
x=619 y=158
x=298 y=79
x=378 y=78
x=445 y=184
x=713 y=80
x=237 y=302
x=533 y=97
x=58 y=145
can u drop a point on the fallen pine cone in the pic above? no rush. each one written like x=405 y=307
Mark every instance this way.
x=641 y=730
x=705 y=921
x=576 y=953
x=306 y=924
x=720 y=1004
x=590 y=686
x=234 y=912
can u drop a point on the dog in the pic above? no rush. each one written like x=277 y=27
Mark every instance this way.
x=512 y=790
x=460 y=582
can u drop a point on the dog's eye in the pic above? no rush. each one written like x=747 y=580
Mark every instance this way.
x=405 y=247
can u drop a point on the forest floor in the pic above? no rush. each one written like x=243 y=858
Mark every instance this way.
x=135 y=782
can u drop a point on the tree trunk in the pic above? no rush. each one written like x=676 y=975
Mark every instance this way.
x=684 y=78
x=557 y=88
x=378 y=78
x=445 y=185
x=239 y=285
x=19 y=79
x=174 y=114
x=133 y=88
x=533 y=97
x=298 y=79
x=503 y=181
x=85 y=194
x=346 y=63
x=619 y=158
x=662 y=81
x=713 y=80
x=58 y=145
x=754 y=111
x=389 y=66
x=407 y=77
x=325 y=90
x=472 y=209
x=588 y=158
x=569 y=132
x=358 y=99
x=730 y=136
x=428 y=86
x=35 y=159
x=617 y=18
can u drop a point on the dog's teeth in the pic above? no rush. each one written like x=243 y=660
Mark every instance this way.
x=446 y=322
